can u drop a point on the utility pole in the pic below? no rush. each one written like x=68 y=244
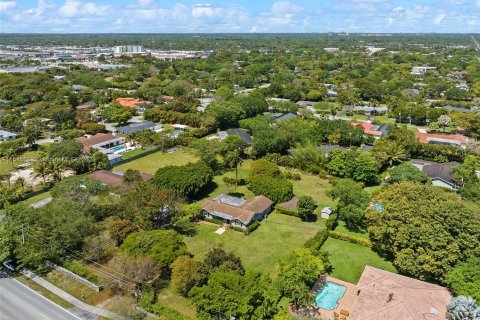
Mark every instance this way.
x=23 y=234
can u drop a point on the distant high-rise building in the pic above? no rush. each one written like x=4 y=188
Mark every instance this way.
x=127 y=49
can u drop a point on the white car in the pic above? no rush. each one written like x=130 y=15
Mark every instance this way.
x=9 y=264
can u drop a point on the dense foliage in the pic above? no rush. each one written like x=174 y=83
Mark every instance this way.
x=427 y=230
x=187 y=180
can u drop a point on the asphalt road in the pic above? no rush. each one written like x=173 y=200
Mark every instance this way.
x=18 y=302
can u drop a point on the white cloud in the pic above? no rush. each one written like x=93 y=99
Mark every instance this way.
x=70 y=8
x=439 y=18
x=76 y=8
x=205 y=10
x=5 y=5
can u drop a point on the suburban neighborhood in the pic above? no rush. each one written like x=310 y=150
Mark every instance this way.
x=329 y=176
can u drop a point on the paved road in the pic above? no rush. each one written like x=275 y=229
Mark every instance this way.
x=20 y=302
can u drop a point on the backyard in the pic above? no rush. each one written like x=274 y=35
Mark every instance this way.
x=349 y=260
x=309 y=185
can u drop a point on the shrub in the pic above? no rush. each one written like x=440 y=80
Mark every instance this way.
x=352 y=239
x=316 y=242
x=284 y=161
x=252 y=227
x=80 y=270
x=293 y=176
x=215 y=221
x=264 y=167
x=286 y=211
x=276 y=189
x=332 y=221
x=187 y=180
x=238 y=229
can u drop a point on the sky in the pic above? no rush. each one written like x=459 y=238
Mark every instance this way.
x=249 y=16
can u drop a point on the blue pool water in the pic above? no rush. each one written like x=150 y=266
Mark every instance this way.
x=328 y=297
x=118 y=148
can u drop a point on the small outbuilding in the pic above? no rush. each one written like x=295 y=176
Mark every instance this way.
x=326 y=212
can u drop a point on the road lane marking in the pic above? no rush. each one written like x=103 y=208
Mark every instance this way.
x=45 y=298
x=44 y=316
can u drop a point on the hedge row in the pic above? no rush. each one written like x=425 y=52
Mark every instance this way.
x=215 y=221
x=316 y=242
x=353 y=239
x=286 y=211
x=77 y=268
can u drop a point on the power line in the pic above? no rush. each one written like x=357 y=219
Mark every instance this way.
x=105 y=273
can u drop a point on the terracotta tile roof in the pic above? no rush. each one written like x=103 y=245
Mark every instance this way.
x=369 y=128
x=425 y=137
x=386 y=295
x=131 y=102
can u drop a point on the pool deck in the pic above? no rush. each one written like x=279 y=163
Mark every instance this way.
x=347 y=302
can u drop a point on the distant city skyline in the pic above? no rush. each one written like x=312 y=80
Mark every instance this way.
x=261 y=16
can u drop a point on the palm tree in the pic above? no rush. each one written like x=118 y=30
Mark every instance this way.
x=233 y=159
x=56 y=168
x=40 y=168
x=396 y=154
x=10 y=154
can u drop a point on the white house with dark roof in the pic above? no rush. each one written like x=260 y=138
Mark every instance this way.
x=441 y=174
x=7 y=136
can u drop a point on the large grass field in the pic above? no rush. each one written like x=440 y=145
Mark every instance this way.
x=262 y=249
x=310 y=185
x=152 y=162
x=349 y=260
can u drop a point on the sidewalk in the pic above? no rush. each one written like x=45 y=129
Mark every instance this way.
x=67 y=297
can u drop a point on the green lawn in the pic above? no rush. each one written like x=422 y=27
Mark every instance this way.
x=134 y=152
x=349 y=260
x=313 y=186
x=37 y=198
x=342 y=228
x=152 y=162
x=262 y=249
x=310 y=185
x=172 y=299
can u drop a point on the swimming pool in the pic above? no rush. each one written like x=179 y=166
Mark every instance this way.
x=118 y=148
x=328 y=297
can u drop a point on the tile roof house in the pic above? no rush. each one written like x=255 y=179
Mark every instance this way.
x=385 y=295
x=131 y=102
x=441 y=174
x=371 y=129
x=242 y=133
x=237 y=211
x=448 y=139
x=114 y=178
